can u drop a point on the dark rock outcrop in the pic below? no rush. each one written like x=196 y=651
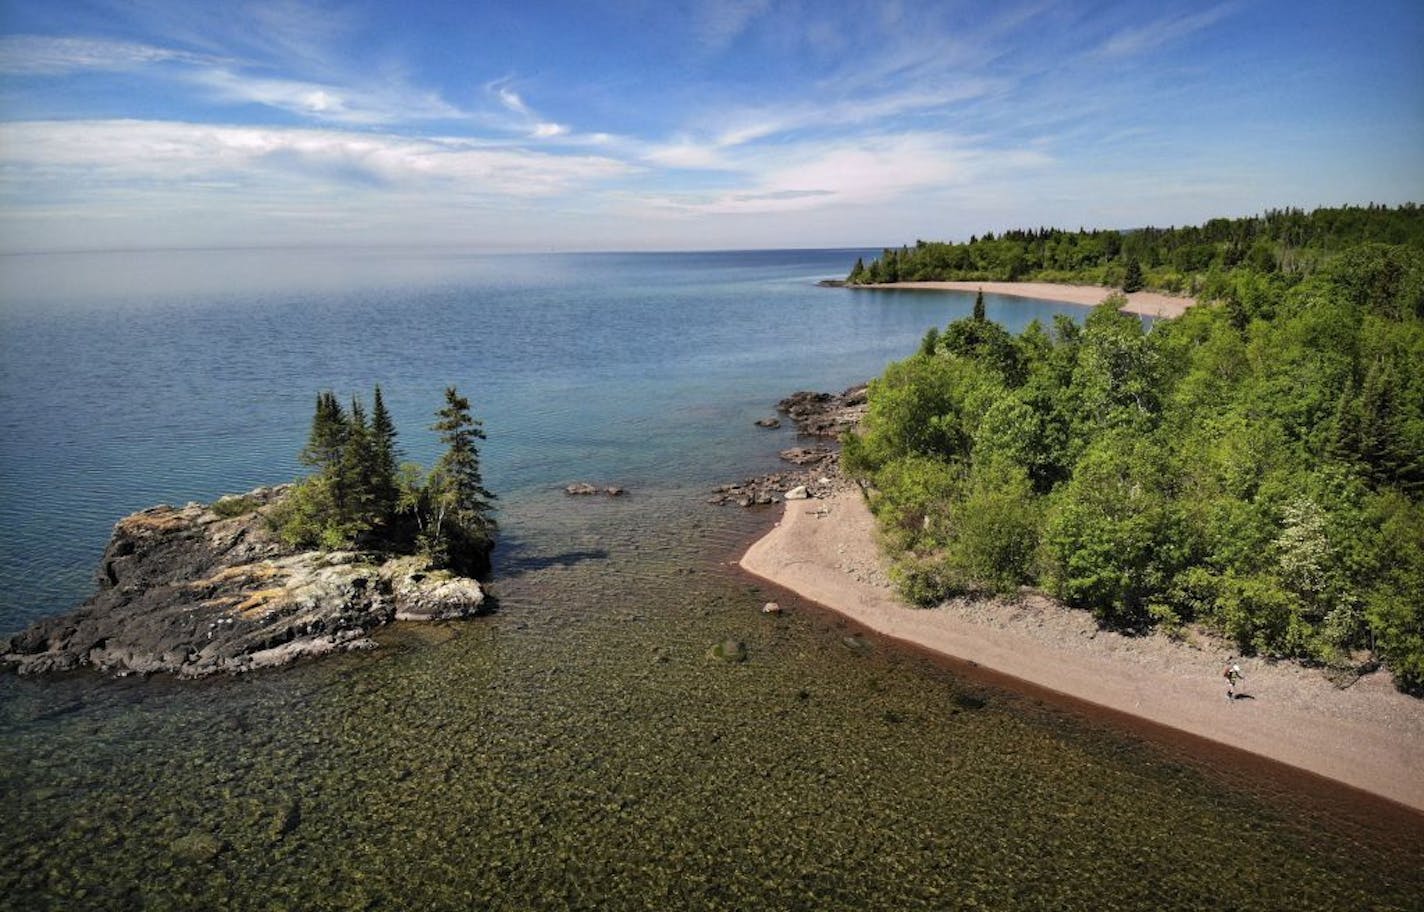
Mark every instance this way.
x=192 y=592
x=825 y=414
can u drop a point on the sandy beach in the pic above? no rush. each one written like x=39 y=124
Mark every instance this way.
x=1146 y=303
x=1368 y=735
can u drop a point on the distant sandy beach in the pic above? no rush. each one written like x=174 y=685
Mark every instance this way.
x=1145 y=303
x=1368 y=736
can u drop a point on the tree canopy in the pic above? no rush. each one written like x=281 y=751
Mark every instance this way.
x=1285 y=245
x=360 y=496
x=1256 y=466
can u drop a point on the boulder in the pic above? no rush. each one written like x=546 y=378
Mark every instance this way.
x=797 y=493
x=770 y=423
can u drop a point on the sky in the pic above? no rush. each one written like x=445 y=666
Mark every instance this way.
x=709 y=124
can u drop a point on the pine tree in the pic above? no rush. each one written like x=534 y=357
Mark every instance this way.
x=857 y=272
x=979 y=314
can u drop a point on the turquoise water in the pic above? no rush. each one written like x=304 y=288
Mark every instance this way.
x=577 y=749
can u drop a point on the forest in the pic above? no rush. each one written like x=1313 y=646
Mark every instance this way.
x=360 y=494
x=1255 y=467
x=1198 y=260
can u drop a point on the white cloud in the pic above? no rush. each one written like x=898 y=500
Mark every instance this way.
x=549 y=130
x=80 y=156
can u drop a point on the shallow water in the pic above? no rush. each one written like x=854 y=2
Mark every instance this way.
x=578 y=749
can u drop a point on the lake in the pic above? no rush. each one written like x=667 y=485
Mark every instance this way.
x=575 y=749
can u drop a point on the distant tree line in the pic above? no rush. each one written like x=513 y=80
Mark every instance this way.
x=360 y=495
x=1198 y=260
x=1256 y=466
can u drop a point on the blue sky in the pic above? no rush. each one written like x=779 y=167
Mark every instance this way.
x=635 y=124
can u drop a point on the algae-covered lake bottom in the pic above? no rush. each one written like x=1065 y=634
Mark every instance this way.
x=579 y=749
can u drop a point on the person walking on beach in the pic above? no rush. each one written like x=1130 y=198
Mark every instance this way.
x=1232 y=674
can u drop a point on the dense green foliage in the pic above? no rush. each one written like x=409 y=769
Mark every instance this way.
x=1256 y=466
x=1198 y=260
x=357 y=495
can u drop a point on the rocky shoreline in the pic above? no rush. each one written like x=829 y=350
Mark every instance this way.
x=823 y=416
x=209 y=588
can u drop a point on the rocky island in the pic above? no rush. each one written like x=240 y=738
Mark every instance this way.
x=280 y=573
x=196 y=590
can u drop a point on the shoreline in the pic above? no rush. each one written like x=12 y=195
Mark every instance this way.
x=1142 y=303
x=1367 y=737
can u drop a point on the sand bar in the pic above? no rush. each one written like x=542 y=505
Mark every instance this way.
x=1145 y=303
x=1368 y=736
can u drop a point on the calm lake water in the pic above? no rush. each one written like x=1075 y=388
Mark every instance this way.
x=575 y=749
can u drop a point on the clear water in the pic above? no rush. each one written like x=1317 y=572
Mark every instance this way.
x=577 y=749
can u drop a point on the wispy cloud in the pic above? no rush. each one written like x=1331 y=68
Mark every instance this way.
x=528 y=121
x=1139 y=39
x=334 y=104
x=721 y=22
x=47 y=56
x=858 y=170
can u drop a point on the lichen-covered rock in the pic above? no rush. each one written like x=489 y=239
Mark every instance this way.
x=192 y=592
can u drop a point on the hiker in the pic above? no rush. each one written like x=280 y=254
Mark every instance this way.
x=1232 y=674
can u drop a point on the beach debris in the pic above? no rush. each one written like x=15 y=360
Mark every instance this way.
x=771 y=608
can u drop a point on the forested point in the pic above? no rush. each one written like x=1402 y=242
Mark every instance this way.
x=360 y=495
x=1255 y=467
x=1203 y=261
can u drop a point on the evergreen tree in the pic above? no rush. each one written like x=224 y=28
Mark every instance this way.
x=857 y=272
x=979 y=314
x=1132 y=281
x=462 y=525
x=354 y=495
x=327 y=439
x=385 y=457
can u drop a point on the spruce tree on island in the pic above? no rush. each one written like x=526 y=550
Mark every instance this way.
x=461 y=527
x=384 y=457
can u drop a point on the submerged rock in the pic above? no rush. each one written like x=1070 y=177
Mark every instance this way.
x=769 y=423
x=584 y=489
x=729 y=651
x=192 y=592
x=197 y=846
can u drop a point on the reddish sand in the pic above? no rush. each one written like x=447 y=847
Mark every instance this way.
x=1147 y=303
x=1368 y=735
